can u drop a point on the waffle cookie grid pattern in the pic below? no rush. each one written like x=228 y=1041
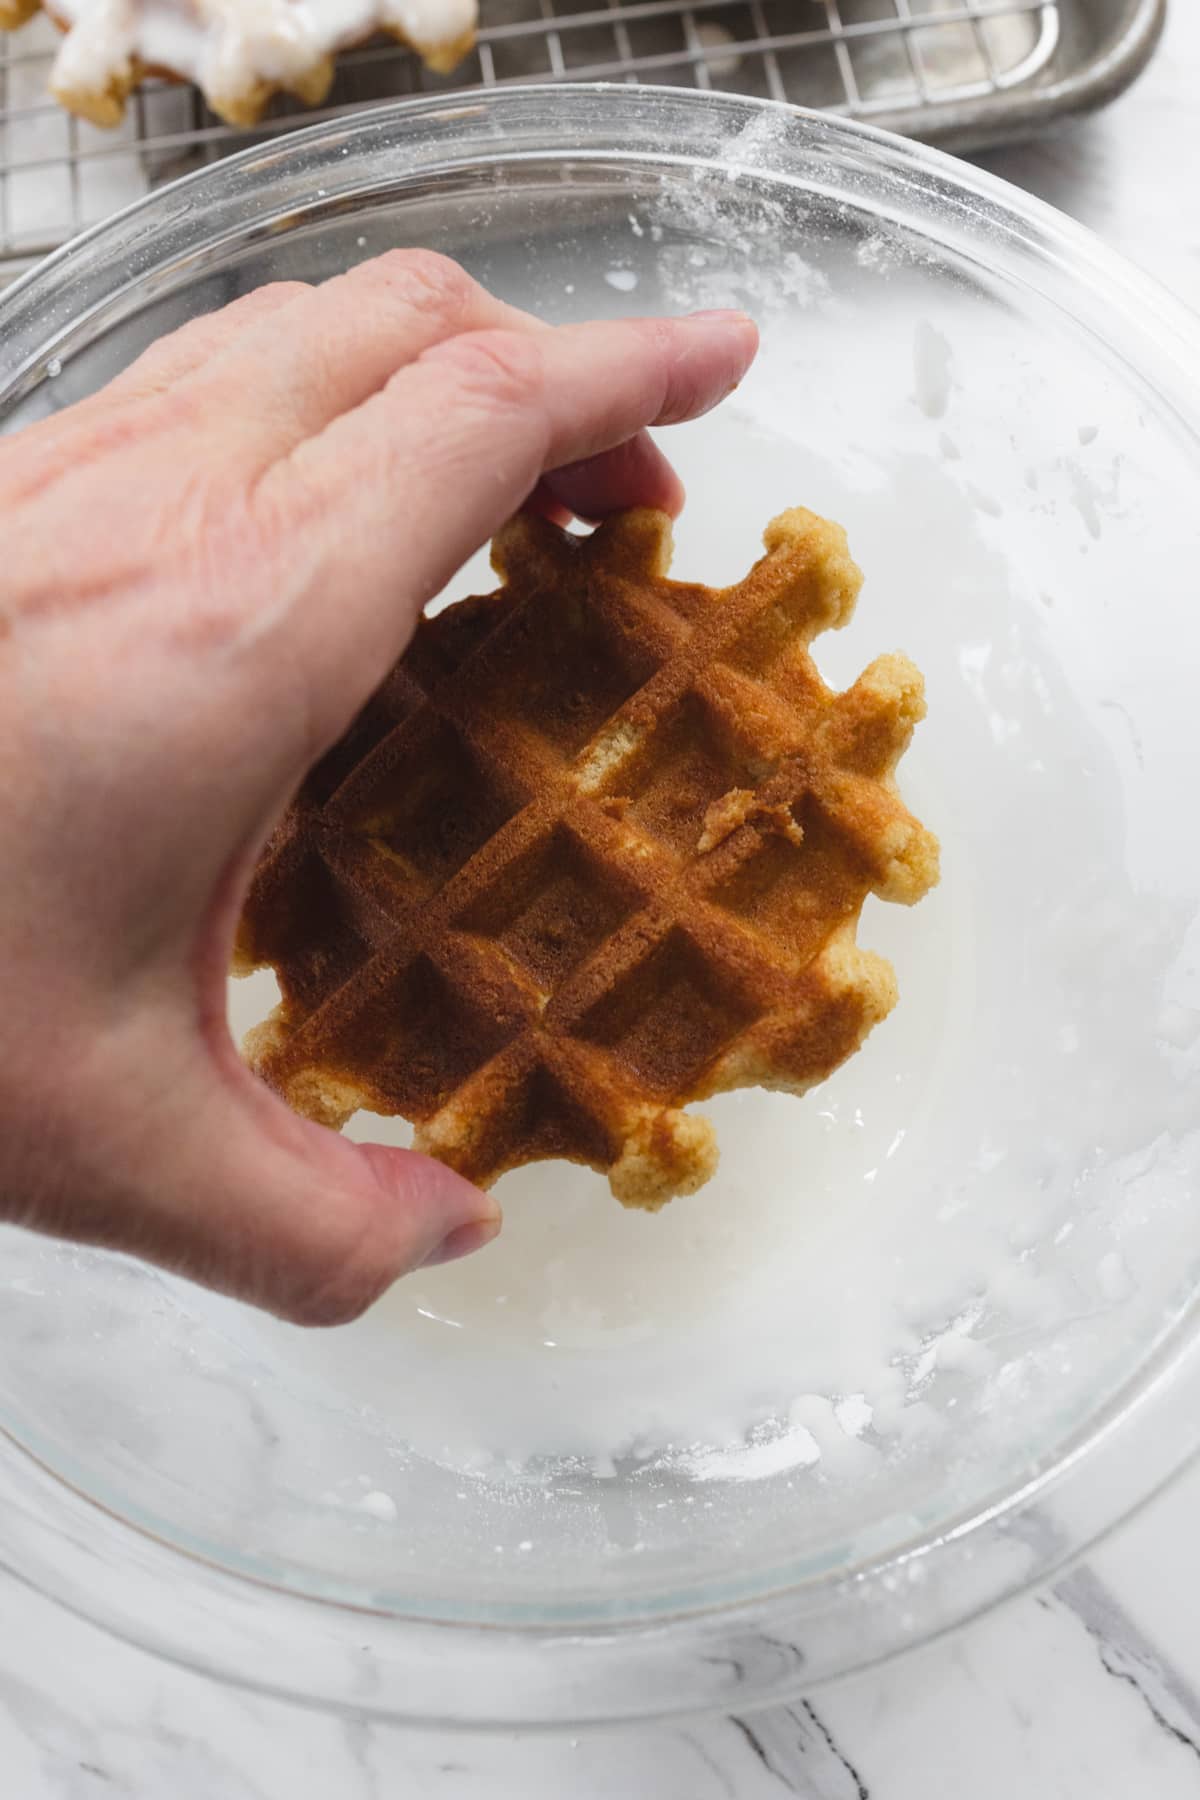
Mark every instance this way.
x=595 y=850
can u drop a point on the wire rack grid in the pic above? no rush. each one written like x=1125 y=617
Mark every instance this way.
x=872 y=59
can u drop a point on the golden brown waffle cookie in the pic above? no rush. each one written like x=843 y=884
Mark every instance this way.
x=595 y=850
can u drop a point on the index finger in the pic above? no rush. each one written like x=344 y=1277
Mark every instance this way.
x=407 y=485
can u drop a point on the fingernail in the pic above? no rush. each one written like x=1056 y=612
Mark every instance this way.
x=463 y=1241
x=730 y=314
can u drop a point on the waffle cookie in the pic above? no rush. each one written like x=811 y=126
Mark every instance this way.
x=596 y=849
x=239 y=53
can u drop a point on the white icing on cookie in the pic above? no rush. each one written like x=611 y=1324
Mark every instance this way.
x=238 y=52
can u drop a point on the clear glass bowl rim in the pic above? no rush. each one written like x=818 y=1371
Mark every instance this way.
x=722 y=1655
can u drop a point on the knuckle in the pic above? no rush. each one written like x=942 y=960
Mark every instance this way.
x=104 y=431
x=424 y=281
x=275 y=293
x=210 y=537
x=502 y=368
x=169 y=356
x=276 y=507
x=159 y=426
x=177 y=412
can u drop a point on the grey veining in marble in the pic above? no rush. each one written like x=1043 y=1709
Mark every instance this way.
x=1084 y=1692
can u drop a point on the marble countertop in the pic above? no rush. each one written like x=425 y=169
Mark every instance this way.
x=1088 y=1692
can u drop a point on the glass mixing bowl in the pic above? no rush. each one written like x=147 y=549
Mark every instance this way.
x=928 y=1331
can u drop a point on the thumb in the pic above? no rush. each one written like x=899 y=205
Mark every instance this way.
x=281 y=1212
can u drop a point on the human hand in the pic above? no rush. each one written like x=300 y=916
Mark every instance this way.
x=208 y=567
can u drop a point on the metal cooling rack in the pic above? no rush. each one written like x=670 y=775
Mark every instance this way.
x=960 y=71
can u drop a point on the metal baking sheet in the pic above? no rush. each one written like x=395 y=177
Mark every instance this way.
x=962 y=73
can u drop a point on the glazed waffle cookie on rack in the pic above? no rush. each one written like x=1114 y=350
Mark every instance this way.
x=239 y=53
x=595 y=850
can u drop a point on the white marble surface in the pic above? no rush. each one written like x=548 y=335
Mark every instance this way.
x=1086 y=1693
x=1090 y=1692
